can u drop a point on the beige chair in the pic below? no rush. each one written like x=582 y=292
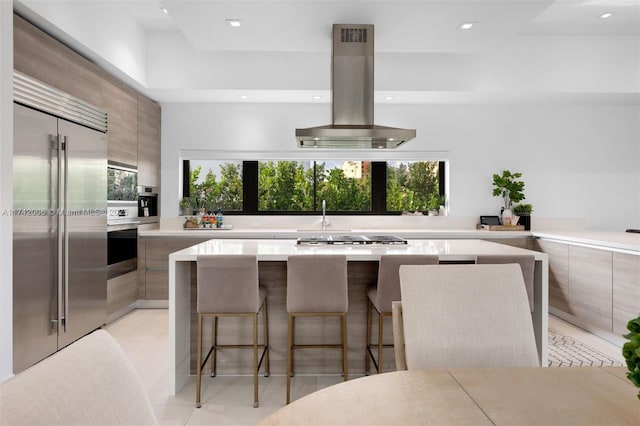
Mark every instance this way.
x=380 y=298
x=527 y=264
x=228 y=286
x=316 y=286
x=459 y=316
x=90 y=382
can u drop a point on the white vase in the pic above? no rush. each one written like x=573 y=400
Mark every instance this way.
x=507 y=216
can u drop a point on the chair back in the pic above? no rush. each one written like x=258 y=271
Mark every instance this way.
x=317 y=283
x=388 y=288
x=90 y=382
x=466 y=316
x=527 y=264
x=227 y=284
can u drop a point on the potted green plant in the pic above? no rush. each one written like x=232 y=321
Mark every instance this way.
x=185 y=206
x=524 y=211
x=631 y=351
x=188 y=206
x=510 y=188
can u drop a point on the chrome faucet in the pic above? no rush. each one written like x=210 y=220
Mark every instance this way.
x=324 y=215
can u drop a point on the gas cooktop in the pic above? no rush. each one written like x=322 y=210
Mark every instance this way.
x=352 y=239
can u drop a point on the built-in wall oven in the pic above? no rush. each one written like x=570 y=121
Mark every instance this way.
x=122 y=220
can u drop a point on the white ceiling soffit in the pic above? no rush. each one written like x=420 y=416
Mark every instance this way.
x=560 y=50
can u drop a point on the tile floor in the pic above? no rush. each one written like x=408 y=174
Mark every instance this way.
x=228 y=400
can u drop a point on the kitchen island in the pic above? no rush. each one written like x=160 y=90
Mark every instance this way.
x=272 y=255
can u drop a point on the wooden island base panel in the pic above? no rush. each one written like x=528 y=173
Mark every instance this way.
x=362 y=272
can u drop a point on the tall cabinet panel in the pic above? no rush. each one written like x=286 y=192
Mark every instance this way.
x=626 y=290
x=590 y=272
x=121 y=104
x=558 y=272
x=148 y=142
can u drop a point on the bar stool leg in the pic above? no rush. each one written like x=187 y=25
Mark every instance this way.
x=345 y=358
x=289 y=356
x=380 y=345
x=265 y=318
x=367 y=361
x=214 y=343
x=256 y=404
x=199 y=362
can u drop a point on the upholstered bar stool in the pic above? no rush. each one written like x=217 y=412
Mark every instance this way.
x=316 y=286
x=380 y=298
x=527 y=264
x=228 y=286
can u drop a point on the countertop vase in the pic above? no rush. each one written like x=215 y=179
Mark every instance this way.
x=525 y=219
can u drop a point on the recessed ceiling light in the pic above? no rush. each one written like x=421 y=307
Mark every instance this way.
x=606 y=15
x=244 y=97
x=388 y=98
x=233 y=22
x=466 y=25
x=164 y=9
x=316 y=97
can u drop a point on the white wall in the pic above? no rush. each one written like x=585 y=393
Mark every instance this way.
x=577 y=160
x=123 y=53
x=6 y=188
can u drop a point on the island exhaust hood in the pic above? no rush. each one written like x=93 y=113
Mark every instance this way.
x=352 y=97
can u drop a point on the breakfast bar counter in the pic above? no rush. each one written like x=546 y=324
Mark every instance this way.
x=274 y=253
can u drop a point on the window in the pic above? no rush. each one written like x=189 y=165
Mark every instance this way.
x=299 y=186
x=413 y=186
x=215 y=185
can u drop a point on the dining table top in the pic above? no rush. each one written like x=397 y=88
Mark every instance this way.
x=474 y=396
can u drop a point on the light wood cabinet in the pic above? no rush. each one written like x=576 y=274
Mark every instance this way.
x=155 y=263
x=149 y=124
x=122 y=291
x=42 y=57
x=626 y=290
x=524 y=242
x=558 y=254
x=596 y=286
x=122 y=112
x=590 y=288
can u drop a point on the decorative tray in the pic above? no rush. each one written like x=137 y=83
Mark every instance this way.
x=200 y=228
x=500 y=227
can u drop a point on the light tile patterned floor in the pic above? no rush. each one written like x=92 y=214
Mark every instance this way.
x=143 y=334
x=566 y=351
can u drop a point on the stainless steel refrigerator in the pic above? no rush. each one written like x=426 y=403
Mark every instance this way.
x=59 y=237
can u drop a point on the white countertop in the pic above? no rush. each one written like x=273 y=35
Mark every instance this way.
x=602 y=239
x=279 y=233
x=279 y=250
x=624 y=241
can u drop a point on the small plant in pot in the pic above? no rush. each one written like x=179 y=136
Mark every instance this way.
x=188 y=206
x=511 y=189
x=631 y=351
x=185 y=206
x=524 y=211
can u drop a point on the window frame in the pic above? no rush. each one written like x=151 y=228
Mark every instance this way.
x=378 y=177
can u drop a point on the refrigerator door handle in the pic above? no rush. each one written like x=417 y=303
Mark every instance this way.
x=55 y=210
x=65 y=254
x=60 y=212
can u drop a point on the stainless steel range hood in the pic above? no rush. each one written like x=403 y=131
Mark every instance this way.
x=352 y=97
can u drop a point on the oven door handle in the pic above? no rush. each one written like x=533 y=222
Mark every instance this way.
x=121 y=226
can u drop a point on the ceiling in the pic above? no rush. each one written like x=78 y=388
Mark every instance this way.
x=281 y=51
